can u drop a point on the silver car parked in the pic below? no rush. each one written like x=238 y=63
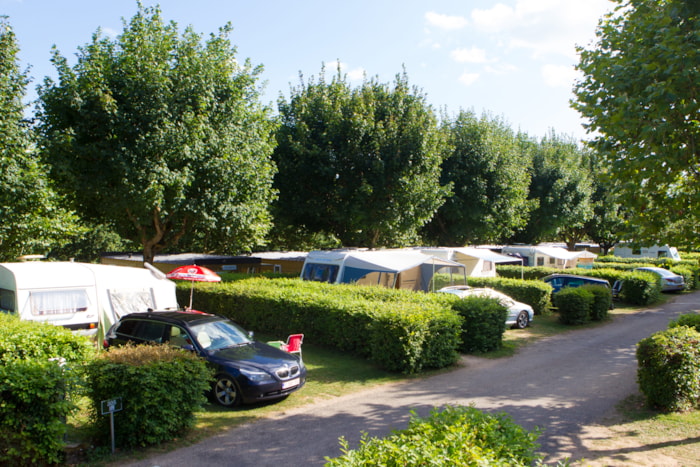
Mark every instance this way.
x=670 y=281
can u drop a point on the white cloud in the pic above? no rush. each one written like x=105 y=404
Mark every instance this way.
x=473 y=55
x=357 y=74
x=558 y=75
x=445 y=21
x=543 y=26
x=468 y=78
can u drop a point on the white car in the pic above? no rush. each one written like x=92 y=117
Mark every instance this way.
x=519 y=314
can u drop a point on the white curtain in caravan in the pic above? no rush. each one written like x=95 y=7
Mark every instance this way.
x=58 y=302
x=125 y=301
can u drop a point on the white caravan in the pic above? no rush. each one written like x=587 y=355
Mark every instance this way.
x=626 y=251
x=81 y=296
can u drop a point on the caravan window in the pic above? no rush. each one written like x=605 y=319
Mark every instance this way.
x=321 y=272
x=7 y=300
x=57 y=302
x=125 y=301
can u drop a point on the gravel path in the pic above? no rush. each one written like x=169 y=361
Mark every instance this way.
x=559 y=384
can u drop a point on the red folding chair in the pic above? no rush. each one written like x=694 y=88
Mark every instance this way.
x=293 y=344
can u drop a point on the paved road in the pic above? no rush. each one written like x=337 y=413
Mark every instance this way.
x=559 y=384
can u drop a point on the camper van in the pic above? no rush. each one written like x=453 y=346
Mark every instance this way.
x=392 y=268
x=81 y=296
x=627 y=251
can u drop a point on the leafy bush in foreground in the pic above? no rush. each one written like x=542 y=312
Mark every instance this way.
x=160 y=387
x=669 y=369
x=454 y=436
x=692 y=320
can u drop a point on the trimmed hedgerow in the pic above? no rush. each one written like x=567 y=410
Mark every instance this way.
x=37 y=363
x=400 y=330
x=483 y=325
x=640 y=287
x=454 y=435
x=30 y=340
x=160 y=389
x=602 y=301
x=33 y=412
x=668 y=370
x=574 y=304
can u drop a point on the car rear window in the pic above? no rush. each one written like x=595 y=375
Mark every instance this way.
x=152 y=331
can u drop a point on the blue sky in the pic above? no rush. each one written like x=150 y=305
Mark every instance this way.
x=511 y=58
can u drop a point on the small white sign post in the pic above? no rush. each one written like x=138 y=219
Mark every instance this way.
x=109 y=407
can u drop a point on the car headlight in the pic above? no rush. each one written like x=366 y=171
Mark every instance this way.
x=257 y=376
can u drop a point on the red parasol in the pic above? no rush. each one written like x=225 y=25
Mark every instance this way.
x=193 y=273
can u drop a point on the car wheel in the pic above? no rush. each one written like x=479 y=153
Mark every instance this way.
x=226 y=392
x=523 y=320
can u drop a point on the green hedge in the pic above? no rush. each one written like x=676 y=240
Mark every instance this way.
x=400 y=330
x=33 y=410
x=668 y=370
x=602 y=302
x=691 y=320
x=640 y=288
x=160 y=389
x=37 y=363
x=29 y=340
x=573 y=304
x=460 y=436
x=484 y=323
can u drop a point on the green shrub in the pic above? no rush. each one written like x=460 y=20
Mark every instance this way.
x=33 y=409
x=640 y=288
x=483 y=323
x=602 y=301
x=535 y=293
x=691 y=320
x=160 y=388
x=29 y=340
x=461 y=436
x=668 y=370
x=400 y=330
x=574 y=304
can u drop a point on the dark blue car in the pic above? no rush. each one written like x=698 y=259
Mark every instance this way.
x=559 y=281
x=246 y=370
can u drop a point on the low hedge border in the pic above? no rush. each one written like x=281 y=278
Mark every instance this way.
x=37 y=372
x=400 y=330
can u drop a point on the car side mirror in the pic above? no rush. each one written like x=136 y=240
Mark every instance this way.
x=189 y=347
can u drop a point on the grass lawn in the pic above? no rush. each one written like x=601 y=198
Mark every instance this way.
x=332 y=374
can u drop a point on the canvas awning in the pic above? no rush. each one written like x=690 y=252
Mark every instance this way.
x=486 y=255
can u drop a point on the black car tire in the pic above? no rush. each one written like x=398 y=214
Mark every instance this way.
x=225 y=391
x=522 y=321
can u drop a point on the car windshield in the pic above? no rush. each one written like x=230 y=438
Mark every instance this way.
x=216 y=335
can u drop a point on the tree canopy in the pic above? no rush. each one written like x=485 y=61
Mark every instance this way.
x=161 y=136
x=360 y=164
x=490 y=177
x=560 y=190
x=640 y=94
x=32 y=217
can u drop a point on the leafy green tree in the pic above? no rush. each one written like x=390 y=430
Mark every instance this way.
x=161 y=137
x=490 y=176
x=640 y=95
x=607 y=225
x=560 y=188
x=361 y=165
x=32 y=217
